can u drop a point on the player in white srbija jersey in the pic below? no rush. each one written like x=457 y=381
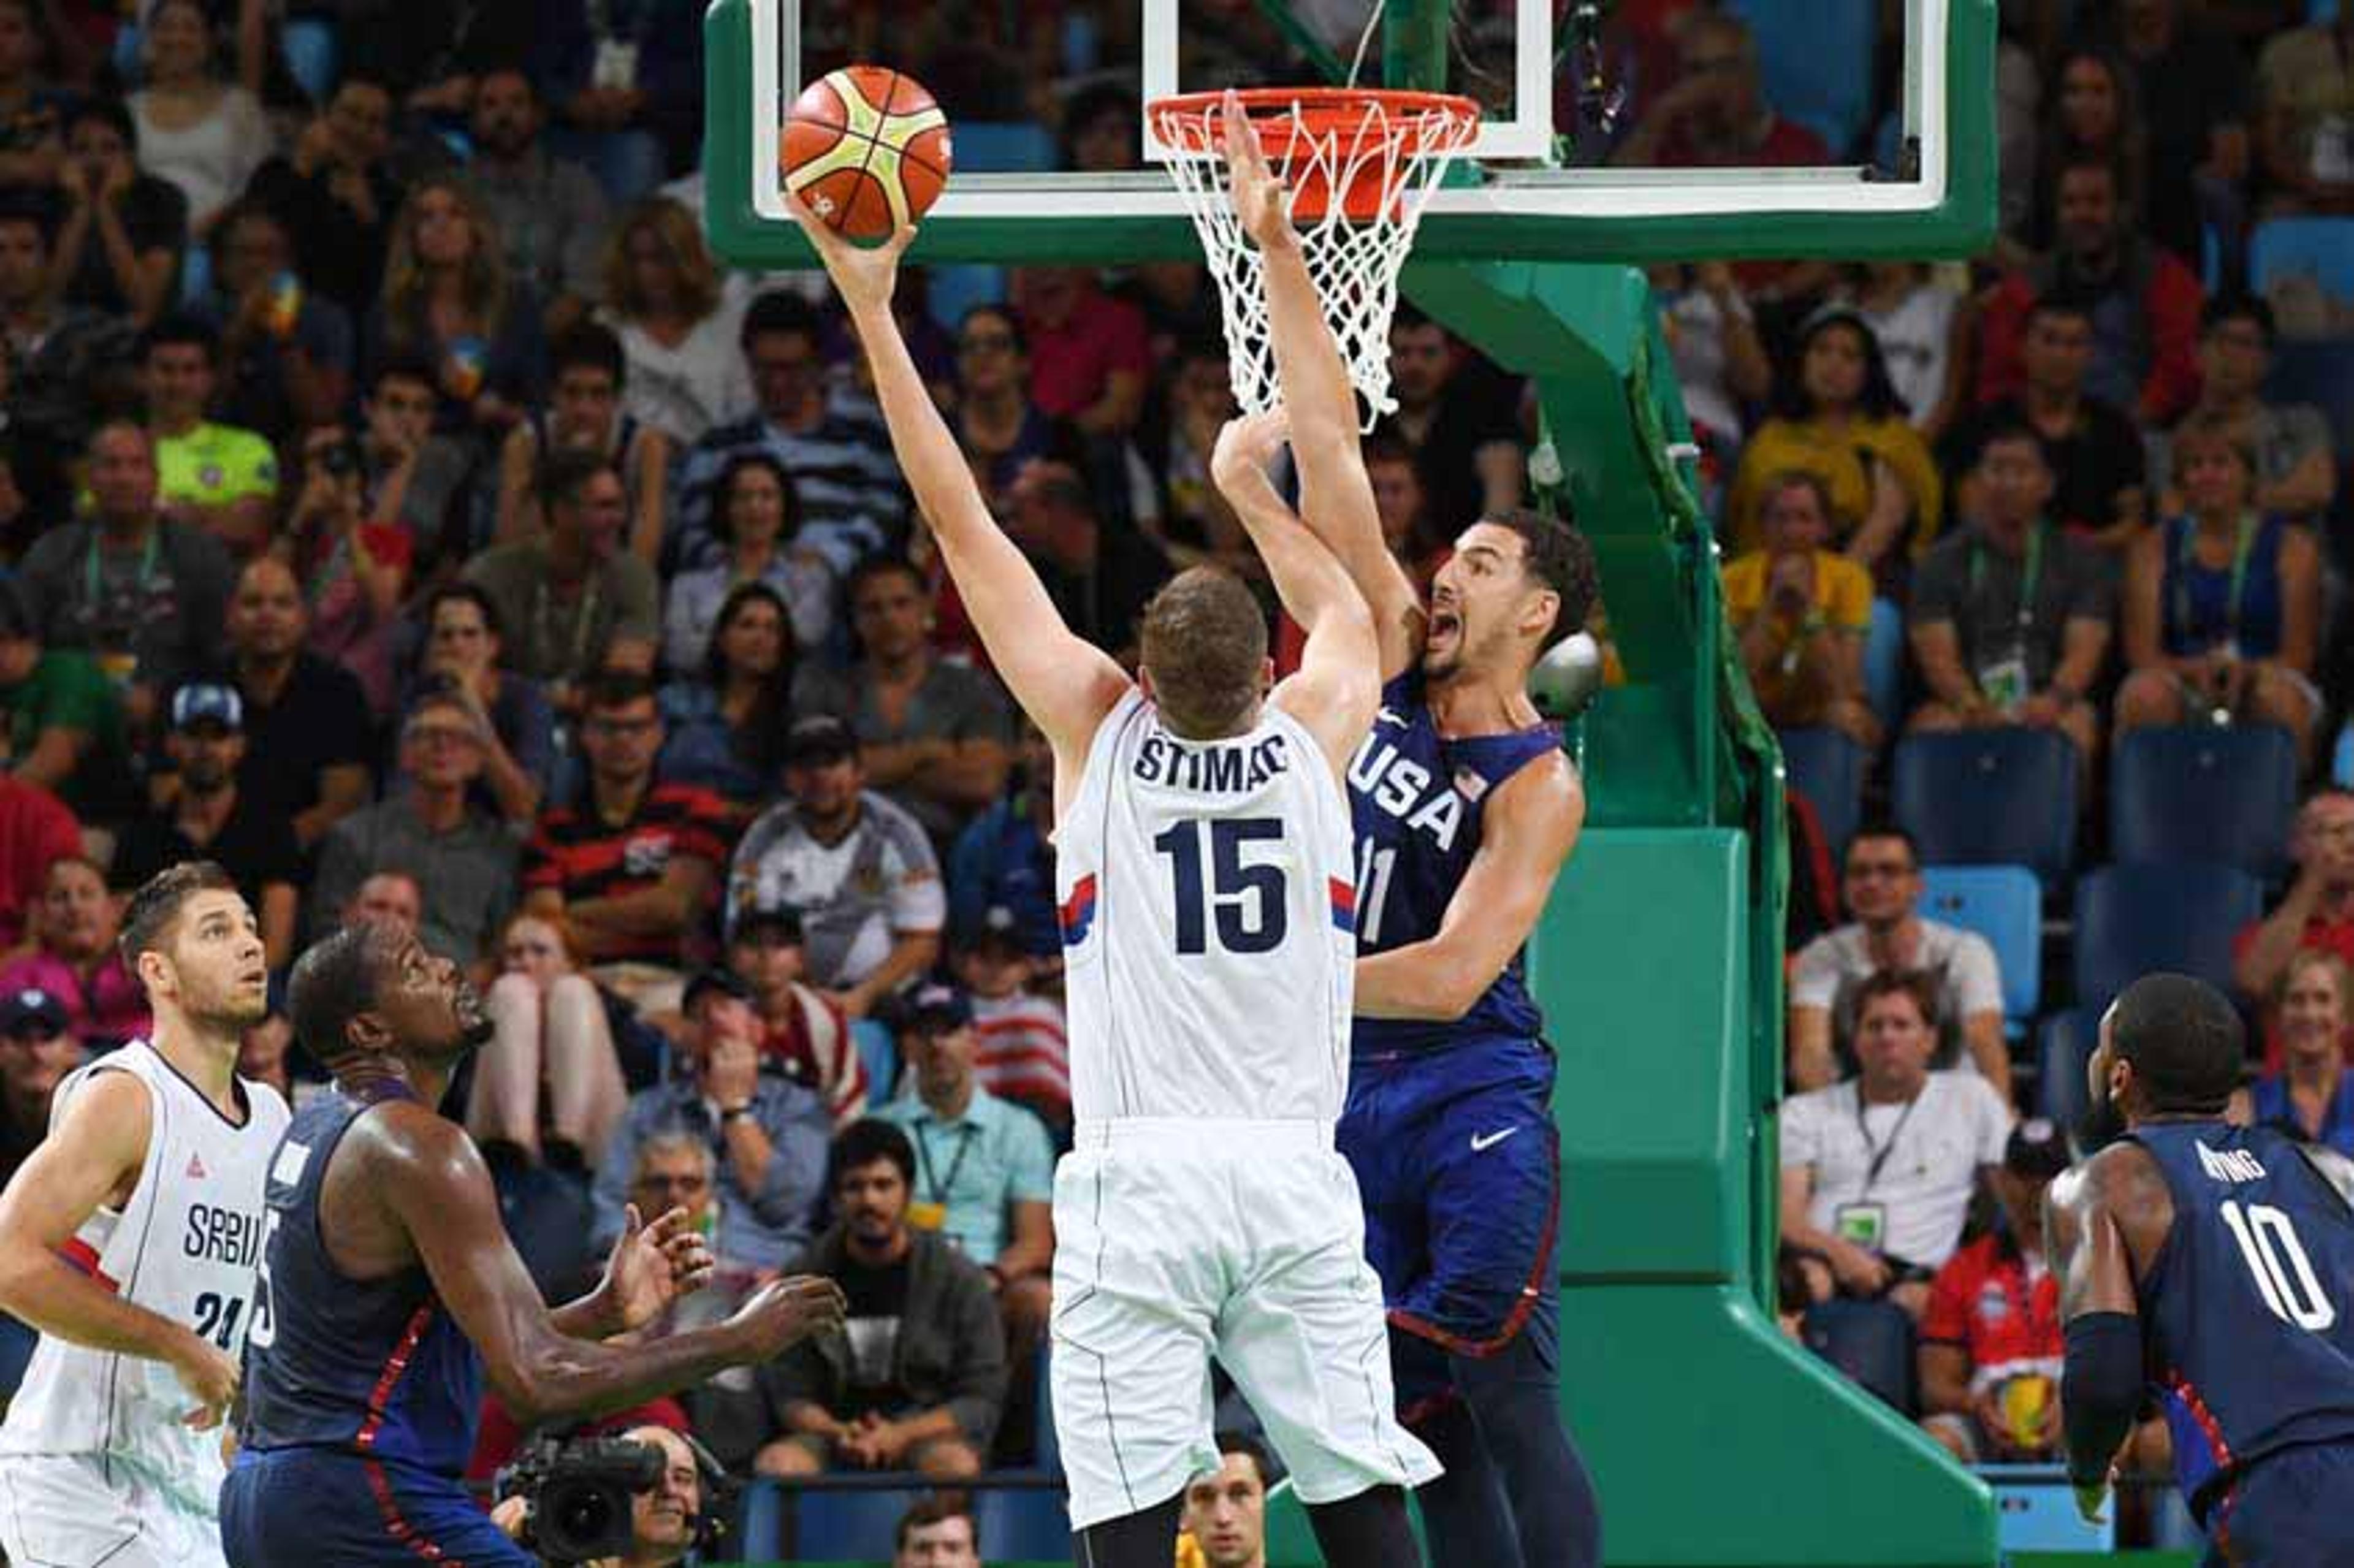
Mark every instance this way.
x=132 y=1240
x=1203 y=850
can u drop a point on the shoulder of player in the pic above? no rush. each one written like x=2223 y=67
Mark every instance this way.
x=1543 y=793
x=105 y=1109
x=409 y=1147
x=2123 y=1180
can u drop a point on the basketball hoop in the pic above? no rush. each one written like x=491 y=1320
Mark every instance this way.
x=1359 y=164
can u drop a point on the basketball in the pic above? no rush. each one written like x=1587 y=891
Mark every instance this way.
x=868 y=149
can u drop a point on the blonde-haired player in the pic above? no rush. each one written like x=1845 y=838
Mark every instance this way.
x=131 y=1239
x=1204 y=871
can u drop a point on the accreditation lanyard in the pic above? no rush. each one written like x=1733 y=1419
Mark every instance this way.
x=2030 y=575
x=584 y=621
x=1881 y=1151
x=2187 y=557
x=939 y=1191
x=147 y=558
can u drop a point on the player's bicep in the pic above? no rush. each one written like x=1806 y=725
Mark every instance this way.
x=1531 y=825
x=94 y=1151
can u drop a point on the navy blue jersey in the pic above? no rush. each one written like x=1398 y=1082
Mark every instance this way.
x=2248 y=1312
x=371 y=1367
x=1416 y=799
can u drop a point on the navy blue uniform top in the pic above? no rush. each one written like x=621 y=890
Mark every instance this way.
x=371 y=1367
x=1416 y=799
x=2247 y=1314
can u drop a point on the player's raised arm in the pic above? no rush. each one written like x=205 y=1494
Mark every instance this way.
x=2101 y=1384
x=92 y=1153
x=1336 y=689
x=1336 y=499
x=432 y=1181
x=1532 y=823
x=1061 y=682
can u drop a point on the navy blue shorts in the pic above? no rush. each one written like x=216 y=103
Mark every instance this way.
x=291 y=1508
x=1459 y=1167
x=2290 y=1510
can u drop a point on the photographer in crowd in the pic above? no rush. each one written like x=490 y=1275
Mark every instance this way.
x=665 y=1518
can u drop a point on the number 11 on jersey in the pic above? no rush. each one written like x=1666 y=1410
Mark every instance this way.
x=1375 y=865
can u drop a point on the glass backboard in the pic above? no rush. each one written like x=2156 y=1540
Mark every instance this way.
x=1651 y=130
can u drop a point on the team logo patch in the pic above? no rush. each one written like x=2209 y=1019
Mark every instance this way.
x=1469 y=785
x=195 y=1169
x=1994 y=1303
x=647 y=856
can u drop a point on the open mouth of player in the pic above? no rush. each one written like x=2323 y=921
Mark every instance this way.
x=1445 y=625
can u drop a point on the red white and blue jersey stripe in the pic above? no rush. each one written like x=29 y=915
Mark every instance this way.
x=1208 y=915
x=2246 y=1318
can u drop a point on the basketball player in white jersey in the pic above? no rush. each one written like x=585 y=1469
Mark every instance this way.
x=1204 y=873
x=131 y=1239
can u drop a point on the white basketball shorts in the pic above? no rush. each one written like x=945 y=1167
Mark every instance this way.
x=78 y=1511
x=1179 y=1240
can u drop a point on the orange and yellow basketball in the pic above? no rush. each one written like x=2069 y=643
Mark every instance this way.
x=868 y=149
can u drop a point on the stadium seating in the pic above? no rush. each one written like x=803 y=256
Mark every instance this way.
x=1990 y=797
x=1827 y=769
x=2133 y=919
x=2004 y=904
x=1869 y=1341
x=2067 y=1044
x=1884 y=662
x=845 y=1525
x=2323 y=246
x=2036 y=1511
x=1807 y=52
x=880 y=1051
x=1025 y=1526
x=2198 y=792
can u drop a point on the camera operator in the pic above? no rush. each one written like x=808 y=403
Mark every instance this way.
x=665 y=1521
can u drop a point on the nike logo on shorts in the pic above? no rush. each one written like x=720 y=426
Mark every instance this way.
x=1483 y=1141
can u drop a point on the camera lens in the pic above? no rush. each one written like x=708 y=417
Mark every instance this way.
x=339 y=460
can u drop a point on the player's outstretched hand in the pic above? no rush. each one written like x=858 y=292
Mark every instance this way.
x=782 y=1314
x=653 y=1266
x=210 y=1376
x=864 y=275
x=1258 y=195
x=1245 y=446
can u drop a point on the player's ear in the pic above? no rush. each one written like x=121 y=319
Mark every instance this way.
x=1538 y=612
x=1265 y=675
x=366 y=1031
x=1144 y=684
x=154 y=969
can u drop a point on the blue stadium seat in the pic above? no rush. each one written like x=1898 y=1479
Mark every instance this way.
x=956 y=289
x=2324 y=247
x=849 y=1526
x=2005 y=905
x=1023 y=1526
x=1050 y=1447
x=1827 y=768
x=1814 y=60
x=1990 y=797
x=1884 y=662
x=1003 y=147
x=2133 y=919
x=881 y=1054
x=2035 y=1510
x=2200 y=792
x=2067 y=1044
x=311 y=55
x=1869 y=1341
x=760 y=1523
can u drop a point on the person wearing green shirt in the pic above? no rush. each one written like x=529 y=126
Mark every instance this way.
x=63 y=716
x=218 y=477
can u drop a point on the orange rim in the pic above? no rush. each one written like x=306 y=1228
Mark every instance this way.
x=1185 y=118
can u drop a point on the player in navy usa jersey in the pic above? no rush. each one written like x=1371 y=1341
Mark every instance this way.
x=1465 y=807
x=390 y=1289
x=2209 y=1266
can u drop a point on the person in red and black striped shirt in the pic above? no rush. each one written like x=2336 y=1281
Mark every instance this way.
x=632 y=862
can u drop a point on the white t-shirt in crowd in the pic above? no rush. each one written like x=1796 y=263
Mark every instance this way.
x=1958 y=1124
x=1968 y=980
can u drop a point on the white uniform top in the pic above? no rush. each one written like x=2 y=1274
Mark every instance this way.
x=187 y=1246
x=1207 y=904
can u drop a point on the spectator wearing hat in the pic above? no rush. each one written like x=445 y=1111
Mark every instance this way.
x=64 y=718
x=1006 y=859
x=914 y=1378
x=767 y=1134
x=142 y=594
x=1991 y=1341
x=984 y=1167
x=463 y=858
x=1025 y=1049
x=858 y=868
x=934 y=737
x=74 y=955
x=802 y=1030
x=38 y=1049
x=210 y=818
x=1878 y=1171
x=632 y=862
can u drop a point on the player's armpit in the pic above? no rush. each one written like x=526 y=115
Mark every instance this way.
x=1528 y=830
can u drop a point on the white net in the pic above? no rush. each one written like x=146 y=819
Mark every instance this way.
x=1359 y=167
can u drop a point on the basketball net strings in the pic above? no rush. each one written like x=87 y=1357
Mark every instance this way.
x=1354 y=264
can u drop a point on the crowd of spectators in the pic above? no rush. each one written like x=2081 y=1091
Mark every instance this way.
x=400 y=505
